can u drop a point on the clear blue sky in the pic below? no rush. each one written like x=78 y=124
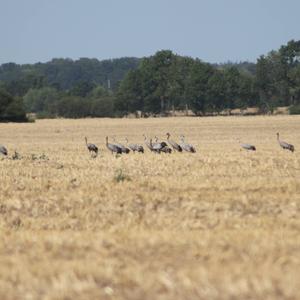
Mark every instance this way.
x=213 y=30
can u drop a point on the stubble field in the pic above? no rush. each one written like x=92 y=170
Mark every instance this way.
x=218 y=224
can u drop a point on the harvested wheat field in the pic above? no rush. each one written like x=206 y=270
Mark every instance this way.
x=221 y=223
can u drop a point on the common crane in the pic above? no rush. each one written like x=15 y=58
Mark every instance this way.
x=160 y=146
x=147 y=143
x=123 y=148
x=3 y=150
x=248 y=147
x=135 y=147
x=185 y=146
x=91 y=147
x=113 y=148
x=285 y=145
x=174 y=145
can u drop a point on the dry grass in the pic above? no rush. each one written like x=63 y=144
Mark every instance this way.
x=218 y=224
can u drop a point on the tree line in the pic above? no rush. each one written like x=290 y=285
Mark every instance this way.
x=152 y=85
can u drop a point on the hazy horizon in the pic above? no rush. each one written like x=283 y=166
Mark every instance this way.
x=217 y=31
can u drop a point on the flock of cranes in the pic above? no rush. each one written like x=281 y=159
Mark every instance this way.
x=157 y=146
x=167 y=147
x=154 y=146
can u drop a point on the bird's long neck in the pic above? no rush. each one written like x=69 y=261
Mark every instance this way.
x=168 y=136
x=277 y=136
x=85 y=140
x=107 y=140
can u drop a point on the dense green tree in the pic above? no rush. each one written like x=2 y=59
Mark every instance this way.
x=40 y=100
x=197 y=86
x=5 y=100
x=98 y=91
x=130 y=96
x=15 y=111
x=73 y=107
x=82 y=88
x=21 y=86
x=216 y=94
x=102 y=107
x=154 y=85
x=64 y=74
x=277 y=76
x=11 y=109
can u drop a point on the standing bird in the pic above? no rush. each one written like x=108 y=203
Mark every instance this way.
x=156 y=147
x=159 y=147
x=174 y=145
x=158 y=144
x=285 y=145
x=247 y=146
x=123 y=148
x=91 y=147
x=3 y=150
x=185 y=146
x=164 y=146
x=148 y=144
x=113 y=148
x=135 y=147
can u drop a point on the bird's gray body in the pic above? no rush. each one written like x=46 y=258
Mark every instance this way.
x=187 y=147
x=135 y=147
x=3 y=150
x=91 y=147
x=174 y=145
x=159 y=147
x=166 y=149
x=285 y=145
x=248 y=147
x=122 y=147
x=113 y=148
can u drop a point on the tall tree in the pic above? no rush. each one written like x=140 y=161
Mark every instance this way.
x=11 y=109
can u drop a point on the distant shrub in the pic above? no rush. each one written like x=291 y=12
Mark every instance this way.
x=39 y=157
x=121 y=176
x=16 y=156
x=45 y=115
x=295 y=109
